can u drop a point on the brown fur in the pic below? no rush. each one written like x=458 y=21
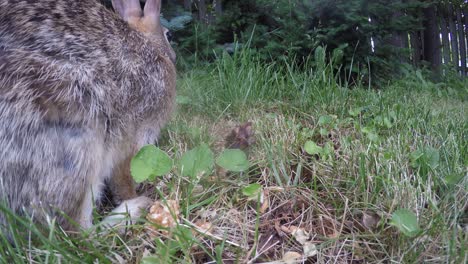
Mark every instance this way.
x=122 y=184
x=81 y=90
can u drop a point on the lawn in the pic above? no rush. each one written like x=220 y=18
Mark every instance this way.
x=336 y=173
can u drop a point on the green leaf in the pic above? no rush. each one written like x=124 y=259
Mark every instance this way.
x=197 y=161
x=373 y=137
x=325 y=120
x=388 y=155
x=355 y=111
x=150 y=260
x=370 y=133
x=425 y=159
x=367 y=130
x=323 y=132
x=387 y=122
x=406 y=222
x=150 y=162
x=184 y=235
x=433 y=157
x=252 y=190
x=415 y=156
x=453 y=179
x=233 y=160
x=312 y=148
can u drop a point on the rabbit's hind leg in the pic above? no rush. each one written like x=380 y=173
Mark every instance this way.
x=74 y=177
x=121 y=183
x=45 y=166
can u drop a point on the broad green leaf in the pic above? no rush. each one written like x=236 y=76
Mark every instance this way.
x=197 y=161
x=406 y=222
x=424 y=159
x=323 y=132
x=355 y=111
x=183 y=234
x=415 y=156
x=373 y=137
x=150 y=162
x=367 y=130
x=151 y=260
x=387 y=122
x=370 y=133
x=252 y=190
x=453 y=179
x=233 y=160
x=312 y=148
x=433 y=157
x=325 y=120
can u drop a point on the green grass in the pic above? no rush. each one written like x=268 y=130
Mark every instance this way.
x=401 y=147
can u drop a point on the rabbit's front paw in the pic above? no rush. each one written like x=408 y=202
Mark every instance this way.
x=128 y=212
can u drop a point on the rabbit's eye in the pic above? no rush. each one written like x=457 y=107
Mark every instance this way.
x=169 y=36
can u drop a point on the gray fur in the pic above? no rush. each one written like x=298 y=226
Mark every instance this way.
x=81 y=89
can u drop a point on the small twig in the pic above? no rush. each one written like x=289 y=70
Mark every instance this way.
x=257 y=255
x=344 y=216
x=209 y=234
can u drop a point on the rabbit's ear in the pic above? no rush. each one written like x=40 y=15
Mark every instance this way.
x=153 y=10
x=127 y=9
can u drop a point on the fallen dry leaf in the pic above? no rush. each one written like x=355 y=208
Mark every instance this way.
x=204 y=226
x=300 y=234
x=288 y=229
x=209 y=214
x=275 y=189
x=198 y=189
x=310 y=249
x=266 y=202
x=370 y=220
x=164 y=216
x=303 y=238
x=292 y=257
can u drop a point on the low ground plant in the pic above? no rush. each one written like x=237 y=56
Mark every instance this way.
x=336 y=174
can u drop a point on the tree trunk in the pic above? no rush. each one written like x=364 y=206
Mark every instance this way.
x=465 y=13
x=416 y=47
x=445 y=37
x=432 y=51
x=416 y=41
x=397 y=39
x=202 y=12
x=453 y=36
x=188 y=5
x=218 y=6
x=461 y=42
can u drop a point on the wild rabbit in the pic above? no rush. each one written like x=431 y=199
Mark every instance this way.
x=82 y=88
